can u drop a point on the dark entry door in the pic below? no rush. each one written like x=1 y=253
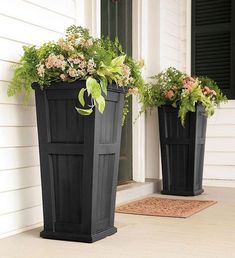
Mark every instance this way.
x=116 y=21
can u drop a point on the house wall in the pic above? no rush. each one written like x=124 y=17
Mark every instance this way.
x=23 y=23
x=170 y=38
x=219 y=166
x=174 y=41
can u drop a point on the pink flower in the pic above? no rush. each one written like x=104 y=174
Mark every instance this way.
x=133 y=91
x=206 y=90
x=63 y=77
x=187 y=87
x=169 y=94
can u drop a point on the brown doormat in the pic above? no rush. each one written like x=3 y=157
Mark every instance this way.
x=164 y=207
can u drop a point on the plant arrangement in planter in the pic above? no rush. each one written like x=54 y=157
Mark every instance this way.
x=79 y=85
x=184 y=103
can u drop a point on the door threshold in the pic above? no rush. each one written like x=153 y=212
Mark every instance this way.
x=134 y=190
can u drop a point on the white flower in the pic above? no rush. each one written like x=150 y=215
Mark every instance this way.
x=91 y=65
x=55 y=61
x=82 y=65
x=63 y=65
x=125 y=78
x=84 y=42
x=65 y=45
x=63 y=77
x=41 y=70
x=81 y=73
x=72 y=72
x=76 y=59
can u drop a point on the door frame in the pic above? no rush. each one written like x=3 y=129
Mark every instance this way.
x=88 y=13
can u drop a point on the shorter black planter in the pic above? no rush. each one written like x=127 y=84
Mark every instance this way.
x=79 y=157
x=182 y=151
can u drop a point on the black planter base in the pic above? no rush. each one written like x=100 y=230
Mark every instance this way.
x=79 y=157
x=79 y=237
x=183 y=193
x=182 y=150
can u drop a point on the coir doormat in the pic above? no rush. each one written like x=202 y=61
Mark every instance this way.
x=165 y=207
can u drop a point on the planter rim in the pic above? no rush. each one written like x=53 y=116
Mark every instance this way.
x=75 y=85
x=170 y=105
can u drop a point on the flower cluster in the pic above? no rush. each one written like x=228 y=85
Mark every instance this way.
x=186 y=85
x=208 y=92
x=126 y=78
x=175 y=88
x=78 y=56
x=70 y=65
x=74 y=63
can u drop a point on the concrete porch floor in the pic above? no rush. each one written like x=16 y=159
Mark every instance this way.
x=209 y=233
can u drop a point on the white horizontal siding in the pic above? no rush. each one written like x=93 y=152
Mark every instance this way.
x=17 y=99
x=17 y=200
x=173 y=34
x=23 y=22
x=220 y=130
x=220 y=158
x=16 y=115
x=20 y=219
x=24 y=30
x=223 y=116
x=19 y=178
x=36 y=15
x=18 y=137
x=6 y=70
x=12 y=158
x=220 y=144
x=10 y=50
x=66 y=8
x=224 y=172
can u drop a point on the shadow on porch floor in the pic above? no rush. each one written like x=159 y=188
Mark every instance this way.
x=209 y=233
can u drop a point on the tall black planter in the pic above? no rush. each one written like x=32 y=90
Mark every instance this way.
x=79 y=157
x=182 y=151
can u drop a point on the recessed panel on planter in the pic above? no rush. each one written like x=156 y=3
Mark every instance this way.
x=173 y=126
x=178 y=163
x=67 y=175
x=103 y=199
x=109 y=123
x=65 y=124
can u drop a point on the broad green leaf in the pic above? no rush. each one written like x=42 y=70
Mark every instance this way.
x=93 y=87
x=89 y=82
x=100 y=72
x=81 y=97
x=104 y=85
x=118 y=61
x=84 y=112
x=101 y=103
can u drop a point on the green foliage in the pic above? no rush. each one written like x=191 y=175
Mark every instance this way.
x=77 y=30
x=172 y=87
x=125 y=109
x=207 y=82
x=77 y=56
x=24 y=73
